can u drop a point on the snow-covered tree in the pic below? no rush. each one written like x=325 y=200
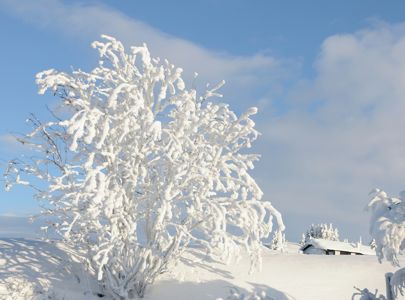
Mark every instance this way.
x=138 y=167
x=278 y=241
x=372 y=244
x=387 y=228
x=320 y=231
x=387 y=224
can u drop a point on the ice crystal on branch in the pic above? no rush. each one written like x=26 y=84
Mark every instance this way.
x=143 y=167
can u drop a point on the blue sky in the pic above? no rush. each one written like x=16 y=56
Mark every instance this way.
x=328 y=78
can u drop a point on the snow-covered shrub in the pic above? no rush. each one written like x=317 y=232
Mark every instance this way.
x=387 y=224
x=320 y=231
x=139 y=167
x=278 y=241
x=387 y=228
x=372 y=244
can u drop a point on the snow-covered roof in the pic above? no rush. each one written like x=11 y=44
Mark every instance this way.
x=339 y=246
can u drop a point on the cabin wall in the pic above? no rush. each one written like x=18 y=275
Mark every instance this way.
x=313 y=250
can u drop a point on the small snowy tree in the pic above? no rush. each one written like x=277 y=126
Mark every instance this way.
x=320 y=231
x=278 y=241
x=140 y=167
x=372 y=244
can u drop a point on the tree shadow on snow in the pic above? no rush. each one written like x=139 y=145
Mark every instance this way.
x=213 y=289
x=273 y=293
x=38 y=262
x=205 y=262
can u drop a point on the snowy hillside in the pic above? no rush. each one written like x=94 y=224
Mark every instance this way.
x=28 y=267
x=284 y=276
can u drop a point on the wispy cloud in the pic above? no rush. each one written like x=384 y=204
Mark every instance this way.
x=81 y=21
x=9 y=215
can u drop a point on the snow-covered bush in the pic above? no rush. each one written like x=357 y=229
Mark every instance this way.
x=278 y=241
x=320 y=231
x=387 y=228
x=372 y=244
x=139 y=167
x=387 y=224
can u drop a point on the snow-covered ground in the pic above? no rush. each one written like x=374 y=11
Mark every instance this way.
x=29 y=266
x=284 y=276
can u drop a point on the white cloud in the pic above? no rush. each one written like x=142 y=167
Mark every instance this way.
x=325 y=156
x=80 y=21
x=8 y=215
